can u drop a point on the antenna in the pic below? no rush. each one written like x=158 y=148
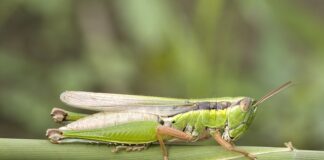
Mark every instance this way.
x=273 y=92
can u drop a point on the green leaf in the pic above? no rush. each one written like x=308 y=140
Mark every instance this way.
x=43 y=149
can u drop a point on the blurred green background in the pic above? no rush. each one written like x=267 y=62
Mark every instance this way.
x=172 y=48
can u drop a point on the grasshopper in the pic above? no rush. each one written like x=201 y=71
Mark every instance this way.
x=132 y=122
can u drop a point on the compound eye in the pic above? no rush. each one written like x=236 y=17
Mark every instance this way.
x=245 y=104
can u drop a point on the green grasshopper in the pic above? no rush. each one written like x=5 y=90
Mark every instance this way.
x=132 y=122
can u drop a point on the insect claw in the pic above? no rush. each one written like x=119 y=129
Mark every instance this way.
x=251 y=156
x=290 y=146
x=116 y=149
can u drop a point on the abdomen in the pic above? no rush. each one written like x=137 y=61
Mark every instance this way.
x=115 y=127
x=136 y=132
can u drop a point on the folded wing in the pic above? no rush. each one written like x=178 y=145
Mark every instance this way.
x=129 y=103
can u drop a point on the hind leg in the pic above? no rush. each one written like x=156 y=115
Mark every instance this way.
x=129 y=148
x=54 y=135
x=60 y=115
x=168 y=131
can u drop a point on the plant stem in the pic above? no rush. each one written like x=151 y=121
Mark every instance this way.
x=34 y=149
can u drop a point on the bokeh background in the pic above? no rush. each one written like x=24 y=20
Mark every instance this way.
x=172 y=48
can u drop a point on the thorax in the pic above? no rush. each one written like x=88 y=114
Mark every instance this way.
x=197 y=122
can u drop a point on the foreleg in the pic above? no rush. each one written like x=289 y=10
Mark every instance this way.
x=228 y=146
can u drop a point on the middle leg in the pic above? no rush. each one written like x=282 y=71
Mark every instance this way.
x=168 y=131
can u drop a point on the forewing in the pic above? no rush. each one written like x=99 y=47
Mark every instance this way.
x=121 y=102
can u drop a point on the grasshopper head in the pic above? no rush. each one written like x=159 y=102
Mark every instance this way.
x=242 y=113
x=240 y=116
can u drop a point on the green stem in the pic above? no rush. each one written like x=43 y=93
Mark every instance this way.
x=42 y=149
